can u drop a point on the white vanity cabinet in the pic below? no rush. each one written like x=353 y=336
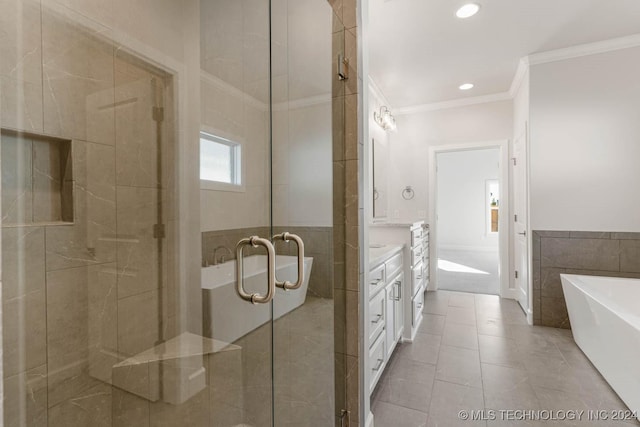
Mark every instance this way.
x=395 y=312
x=415 y=237
x=386 y=307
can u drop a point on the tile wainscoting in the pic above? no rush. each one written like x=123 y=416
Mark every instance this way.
x=576 y=252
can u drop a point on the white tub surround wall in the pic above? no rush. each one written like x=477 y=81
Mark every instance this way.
x=584 y=143
x=606 y=327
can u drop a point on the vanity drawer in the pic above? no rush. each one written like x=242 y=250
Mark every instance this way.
x=425 y=272
x=417 y=255
x=416 y=236
x=417 y=304
x=376 y=316
x=376 y=361
x=393 y=265
x=417 y=275
x=377 y=279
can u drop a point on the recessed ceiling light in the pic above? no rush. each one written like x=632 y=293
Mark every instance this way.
x=468 y=10
x=466 y=86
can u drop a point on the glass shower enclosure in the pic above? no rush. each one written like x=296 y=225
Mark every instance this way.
x=167 y=212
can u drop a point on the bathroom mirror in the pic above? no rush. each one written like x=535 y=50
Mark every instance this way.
x=379 y=182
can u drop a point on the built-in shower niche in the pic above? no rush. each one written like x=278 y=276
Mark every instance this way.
x=37 y=179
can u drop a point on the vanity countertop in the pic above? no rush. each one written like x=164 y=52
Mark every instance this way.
x=398 y=224
x=378 y=255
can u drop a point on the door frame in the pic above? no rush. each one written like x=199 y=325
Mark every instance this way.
x=504 y=229
x=524 y=134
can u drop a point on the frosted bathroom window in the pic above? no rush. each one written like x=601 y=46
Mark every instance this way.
x=220 y=161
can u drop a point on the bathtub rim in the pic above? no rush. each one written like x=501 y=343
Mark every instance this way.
x=308 y=262
x=620 y=311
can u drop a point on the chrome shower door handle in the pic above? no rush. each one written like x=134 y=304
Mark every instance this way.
x=256 y=298
x=286 y=237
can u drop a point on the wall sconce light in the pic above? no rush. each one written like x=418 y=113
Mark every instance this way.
x=385 y=119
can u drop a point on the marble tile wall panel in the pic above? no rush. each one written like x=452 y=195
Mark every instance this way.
x=25 y=398
x=129 y=409
x=226 y=388
x=137 y=323
x=17 y=180
x=102 y=320
x=91 y=408
x=630 y=255
x=137 y=92
x=23 y=268
x=72 y=301
x=33 y=170
x=47 y=180
x=576 y=252
x=78 y=93
x=346 y=216
x=91 y=238
x=137 y=249
x=21 y=65
x=24 y=332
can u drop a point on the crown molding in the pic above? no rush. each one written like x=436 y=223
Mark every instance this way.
x=455 y=103
x=233 y=91
x=585 y=49
x=377 y=92
x=303 y=102
x=518 y=78
x=523 y=67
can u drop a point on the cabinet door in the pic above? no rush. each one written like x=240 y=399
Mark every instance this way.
x=390 y=318
x=398 y=310
x=377 y=308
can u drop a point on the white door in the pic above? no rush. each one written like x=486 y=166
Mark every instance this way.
x=520 y=197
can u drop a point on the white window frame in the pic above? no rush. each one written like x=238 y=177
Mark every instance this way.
x=238 y=157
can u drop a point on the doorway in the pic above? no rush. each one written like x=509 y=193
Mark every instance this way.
x=469 y=207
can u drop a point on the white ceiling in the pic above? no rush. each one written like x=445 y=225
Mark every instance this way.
x=420 y=52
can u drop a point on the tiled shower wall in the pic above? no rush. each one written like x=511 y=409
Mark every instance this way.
x=576 y=252
x=317 y=244
x=80 y=296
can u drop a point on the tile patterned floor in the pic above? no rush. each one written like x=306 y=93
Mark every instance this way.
x=477 y=352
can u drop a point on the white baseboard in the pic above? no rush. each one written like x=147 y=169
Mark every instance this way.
x=468 y=248
x=510 y=294
x=530 y=317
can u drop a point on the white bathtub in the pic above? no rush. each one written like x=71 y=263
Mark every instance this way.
x=605 y=320
x=227 y=316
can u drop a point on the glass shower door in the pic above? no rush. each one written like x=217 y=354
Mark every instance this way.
x=303 y=122
x=142 y=145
